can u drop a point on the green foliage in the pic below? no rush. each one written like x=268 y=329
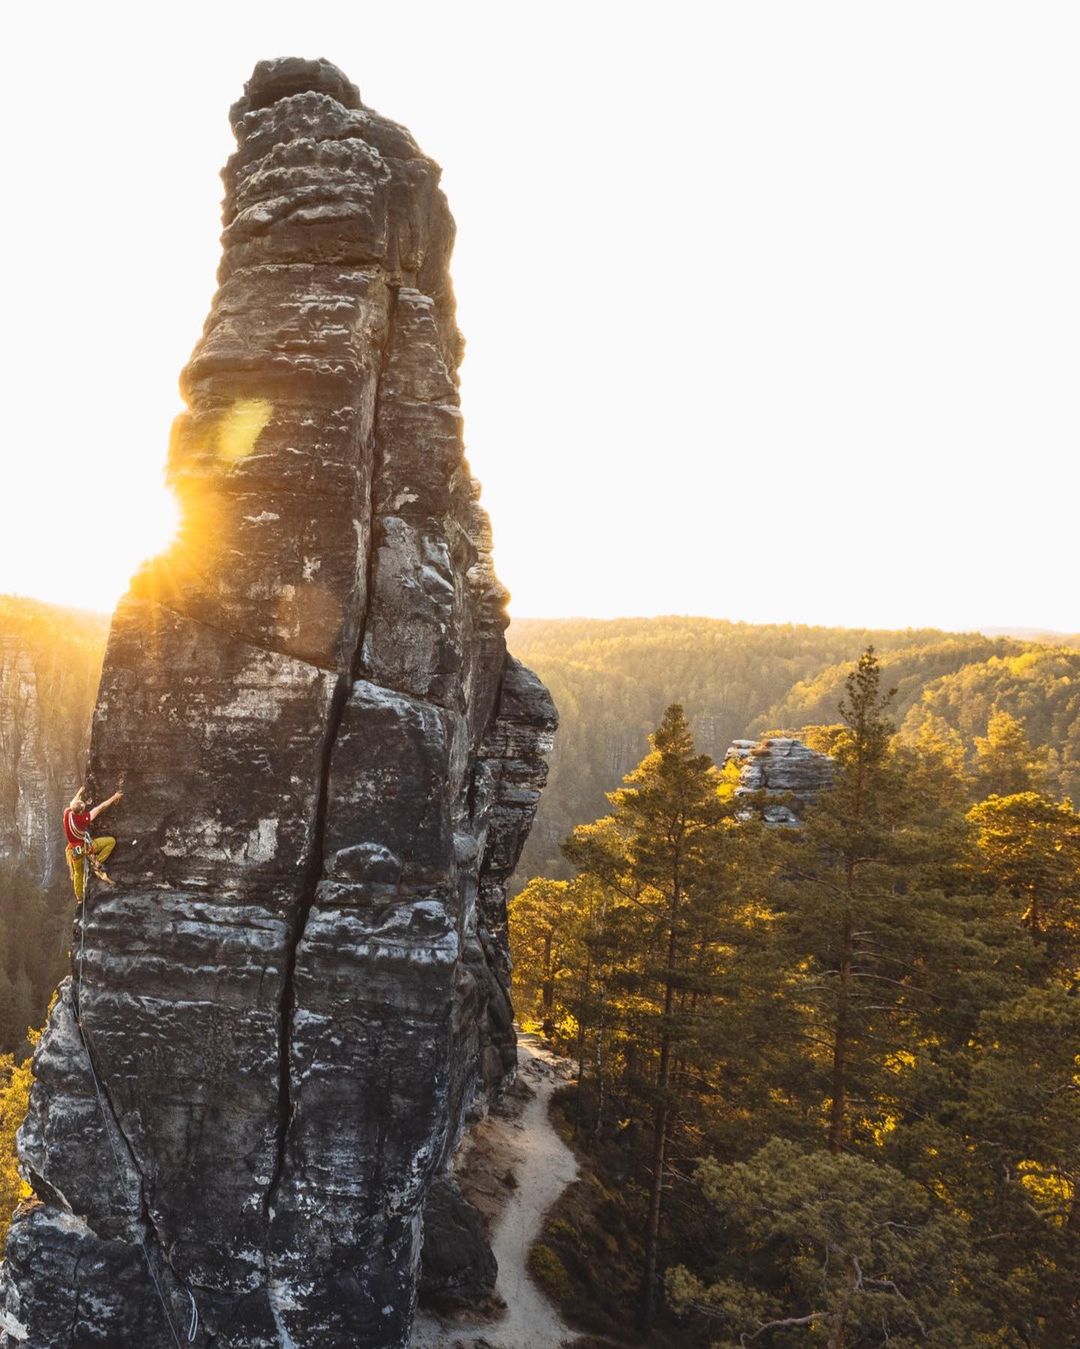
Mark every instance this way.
x=612 y=679
x=1039 y=687
x=15 y=1079
x=843 y=1249
x=861 y=1037
x=548 y=1272
x=1005 y=762
x=1029 y=846
x=1024 y=1088
x=1027 y=840
x=541 y=924
x=999 y=1142
x=910 y=663
x=594 y=1229
x=669 y=858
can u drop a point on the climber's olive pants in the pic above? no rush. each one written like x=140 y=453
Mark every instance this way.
x=77 y=865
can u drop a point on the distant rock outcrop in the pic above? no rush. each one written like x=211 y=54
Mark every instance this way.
x=781 y=767
x=298 y=991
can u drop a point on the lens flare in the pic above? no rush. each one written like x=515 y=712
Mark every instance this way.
x=241 y=427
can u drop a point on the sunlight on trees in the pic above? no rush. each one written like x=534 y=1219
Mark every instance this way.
x=830 y=1075
x=15 y=1079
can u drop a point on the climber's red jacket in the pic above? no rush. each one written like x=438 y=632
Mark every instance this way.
x=76 y=823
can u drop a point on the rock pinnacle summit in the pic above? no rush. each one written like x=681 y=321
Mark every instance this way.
x=279 y=1021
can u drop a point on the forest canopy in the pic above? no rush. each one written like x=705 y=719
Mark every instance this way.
x=829 y=1076
x=612 y=680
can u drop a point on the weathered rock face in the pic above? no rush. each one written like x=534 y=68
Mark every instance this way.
x=459 y=1268
x=50 y=659
x=781 y=767
x=297 y=993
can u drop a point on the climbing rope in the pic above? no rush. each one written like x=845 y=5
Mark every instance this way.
x=84 y=1034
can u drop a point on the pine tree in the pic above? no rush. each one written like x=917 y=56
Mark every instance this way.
x=839 y=896
x=655 y=853
x=857 y=1255
x=896 y=956
x=541 y=928
x=1029 y=845
x=891 y=1005
x=1005 y=762
x=937 y=762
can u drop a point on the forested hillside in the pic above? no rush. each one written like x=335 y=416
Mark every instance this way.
x=611 y=681
x=1040 y=687
x=958 y=684
x=50 y=659
x=828 y=1074
x=908 y=668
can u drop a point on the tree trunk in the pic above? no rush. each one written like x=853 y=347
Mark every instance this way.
x=598 y=1125
x=661 y=1118
x=547 y=992
x=1032 y=919
x=838 y=1107
x=661 y=1121
x=838 y=1321
x=586 y=979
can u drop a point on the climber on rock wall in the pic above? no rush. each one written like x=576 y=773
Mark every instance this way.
x=81 y=848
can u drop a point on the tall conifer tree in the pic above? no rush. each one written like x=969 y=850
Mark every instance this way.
x=656 y=858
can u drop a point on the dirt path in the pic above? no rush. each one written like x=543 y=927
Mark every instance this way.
x=545 y=1169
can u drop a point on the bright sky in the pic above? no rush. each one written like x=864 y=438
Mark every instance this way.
x=773 y=308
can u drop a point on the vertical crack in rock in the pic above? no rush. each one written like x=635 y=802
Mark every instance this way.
x=131 y=1207
x=295 y=935
x=356 y=663
x=301 y=981
x=316 y=862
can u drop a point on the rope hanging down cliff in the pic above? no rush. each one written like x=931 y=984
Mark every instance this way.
x=84 y=1035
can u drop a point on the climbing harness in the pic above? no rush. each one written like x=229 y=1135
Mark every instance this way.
x=83 y=852
x=86 y=851
x=84 y=1034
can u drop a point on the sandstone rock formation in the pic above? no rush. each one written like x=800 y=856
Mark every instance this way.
x=458 y=1269
x=784 y=768
x=50 y=659
x=297 y=993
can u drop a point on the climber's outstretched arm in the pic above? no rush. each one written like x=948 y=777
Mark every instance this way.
x=116 y=796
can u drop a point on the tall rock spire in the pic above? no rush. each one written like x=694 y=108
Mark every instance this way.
x=280 y=1017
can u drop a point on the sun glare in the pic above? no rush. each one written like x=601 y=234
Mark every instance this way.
x=148 y=528
x=907 y=324
x=241 y=427
x=85 y=553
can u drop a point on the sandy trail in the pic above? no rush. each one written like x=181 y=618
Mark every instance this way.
x=547 y=1166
